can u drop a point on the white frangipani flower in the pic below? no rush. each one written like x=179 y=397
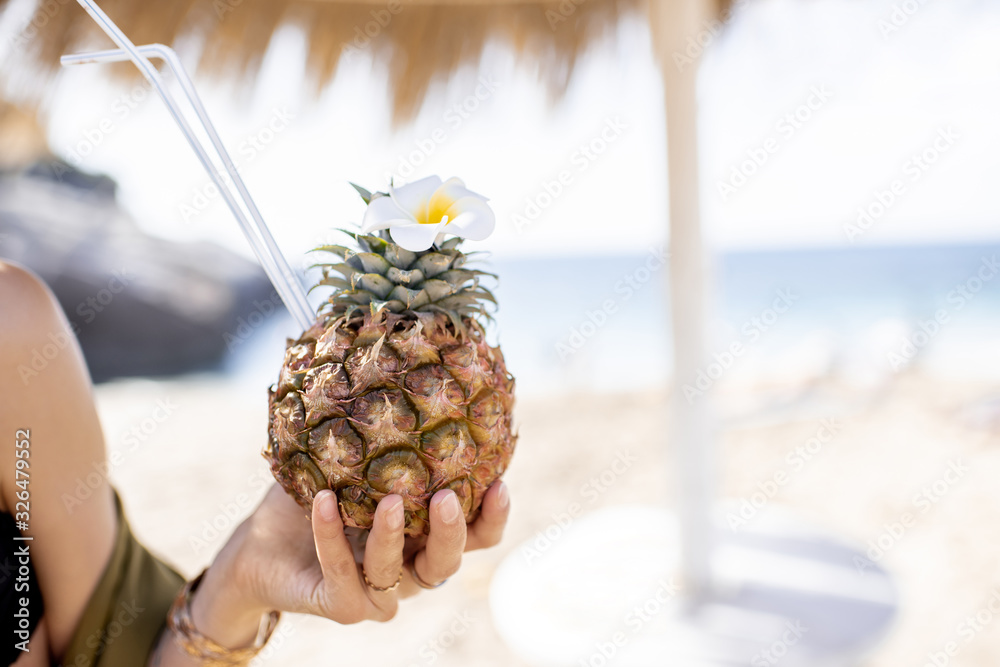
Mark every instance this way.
x=417 y=213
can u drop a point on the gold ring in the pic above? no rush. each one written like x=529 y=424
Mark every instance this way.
x=411 y=565
x=378 y=589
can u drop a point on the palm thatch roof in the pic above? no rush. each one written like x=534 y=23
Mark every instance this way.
x=419 y=41
x=22 y=139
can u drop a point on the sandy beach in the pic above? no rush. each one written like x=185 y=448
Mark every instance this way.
x=187 y=465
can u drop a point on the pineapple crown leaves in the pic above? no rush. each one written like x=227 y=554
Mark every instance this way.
x=365 y=194
x=381 y=275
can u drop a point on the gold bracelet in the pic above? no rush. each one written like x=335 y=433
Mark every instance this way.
x=201 y=647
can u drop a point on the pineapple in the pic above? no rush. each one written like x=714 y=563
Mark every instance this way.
x=394 y=389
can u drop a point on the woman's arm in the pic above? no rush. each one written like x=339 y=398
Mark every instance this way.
x=277 y=559
x=45 y=390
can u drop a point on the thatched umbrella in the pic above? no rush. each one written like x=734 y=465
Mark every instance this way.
x=421 y=41
x=22 y=138
x=427 y=41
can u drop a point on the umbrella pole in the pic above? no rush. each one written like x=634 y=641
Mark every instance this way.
x=675 y=24
x=742 y=591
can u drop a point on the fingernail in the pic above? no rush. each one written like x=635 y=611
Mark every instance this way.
x=394 y=516
x=450 y=509
x=503 y=497
x=327 y=506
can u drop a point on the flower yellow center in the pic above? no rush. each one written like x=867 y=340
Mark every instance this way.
x=439 y=209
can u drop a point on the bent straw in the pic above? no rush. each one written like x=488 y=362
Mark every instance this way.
x=264 y=246
x=169 y=56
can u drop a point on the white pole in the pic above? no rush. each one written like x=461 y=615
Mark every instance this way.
x=675 y=25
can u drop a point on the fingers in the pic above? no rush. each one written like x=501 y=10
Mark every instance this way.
x=383 y=556
x=487 y=530
x=335 y=555
x=383 y=561
x=442 y=556
x=336 y=558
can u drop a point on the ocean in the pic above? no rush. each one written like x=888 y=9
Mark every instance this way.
x=602 y=324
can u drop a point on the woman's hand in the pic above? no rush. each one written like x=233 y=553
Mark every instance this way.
x=278 y=559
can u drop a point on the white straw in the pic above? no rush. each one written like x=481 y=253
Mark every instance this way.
x=169 y=56
x=264 y=246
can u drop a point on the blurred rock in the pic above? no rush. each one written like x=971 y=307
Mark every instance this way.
x=141 y=305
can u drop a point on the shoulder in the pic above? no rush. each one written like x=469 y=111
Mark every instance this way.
x=20 y=286
x=26 y=303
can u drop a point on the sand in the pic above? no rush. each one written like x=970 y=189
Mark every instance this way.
x=192 y=470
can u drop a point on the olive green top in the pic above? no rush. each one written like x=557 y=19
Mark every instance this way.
x=127 y=610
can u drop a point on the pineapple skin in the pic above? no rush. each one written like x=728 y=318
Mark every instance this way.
x=373 y=403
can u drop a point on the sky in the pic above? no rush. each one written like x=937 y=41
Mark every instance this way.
x=810 y=114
